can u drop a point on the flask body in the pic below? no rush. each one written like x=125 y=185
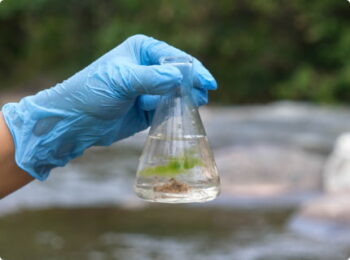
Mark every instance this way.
x=177 y=164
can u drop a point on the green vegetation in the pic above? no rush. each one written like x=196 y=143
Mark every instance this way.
x=175 y=166
x=258 y=50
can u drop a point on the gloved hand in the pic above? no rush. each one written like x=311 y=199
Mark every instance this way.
x=111 y=99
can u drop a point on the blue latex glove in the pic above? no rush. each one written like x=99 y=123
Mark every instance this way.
x=111 y=99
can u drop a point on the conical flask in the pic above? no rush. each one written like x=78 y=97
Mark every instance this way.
x=177 y=164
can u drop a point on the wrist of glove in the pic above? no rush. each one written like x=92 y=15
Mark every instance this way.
x=109 y=100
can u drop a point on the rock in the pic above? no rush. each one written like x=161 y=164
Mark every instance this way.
x=294 y=124
x=306 y=126
x=329 y=216
x=274 y=143
x=326 y=218
x=268 y=175
x=337 y=169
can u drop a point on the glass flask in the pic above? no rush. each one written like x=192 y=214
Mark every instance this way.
x=177 y=164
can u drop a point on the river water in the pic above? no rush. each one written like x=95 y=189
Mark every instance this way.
x=88 y=210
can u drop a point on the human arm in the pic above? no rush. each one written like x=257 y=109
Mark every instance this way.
x=11 y=176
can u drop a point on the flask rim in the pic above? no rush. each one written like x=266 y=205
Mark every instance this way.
x=176 y=59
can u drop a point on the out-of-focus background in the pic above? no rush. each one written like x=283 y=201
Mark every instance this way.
x=278 y=126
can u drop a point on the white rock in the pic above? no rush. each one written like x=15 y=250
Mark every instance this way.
x=337 y=169
x=329 y=216
x=260 y=175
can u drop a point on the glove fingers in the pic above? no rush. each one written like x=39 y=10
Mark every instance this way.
x=202 y=77
x=150 y=102
x=152 y=50
x=153 y=80
x=200 y=96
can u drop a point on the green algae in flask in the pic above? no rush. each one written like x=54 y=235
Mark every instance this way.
x=177 y=164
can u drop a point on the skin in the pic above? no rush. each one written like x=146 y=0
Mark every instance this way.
x=11 y=176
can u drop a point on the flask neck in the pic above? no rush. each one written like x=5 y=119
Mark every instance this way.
x=176 y=116
x=185 y=65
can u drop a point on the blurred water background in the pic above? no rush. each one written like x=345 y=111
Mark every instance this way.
x=270 y=159
x=285 y=177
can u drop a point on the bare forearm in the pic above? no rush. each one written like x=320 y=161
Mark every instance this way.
x=11 y=176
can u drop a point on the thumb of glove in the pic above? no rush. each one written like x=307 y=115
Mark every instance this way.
x=153 y=80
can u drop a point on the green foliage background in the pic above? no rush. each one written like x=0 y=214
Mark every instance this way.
x=259 y=50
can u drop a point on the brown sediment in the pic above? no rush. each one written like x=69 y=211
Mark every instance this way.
x=173 y=186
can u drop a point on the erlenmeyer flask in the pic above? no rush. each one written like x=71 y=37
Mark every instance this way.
x=177 y=165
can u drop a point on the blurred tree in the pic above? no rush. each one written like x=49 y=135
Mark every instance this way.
x=258 y=50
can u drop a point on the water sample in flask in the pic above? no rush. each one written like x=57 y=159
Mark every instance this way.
x=177 y=164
